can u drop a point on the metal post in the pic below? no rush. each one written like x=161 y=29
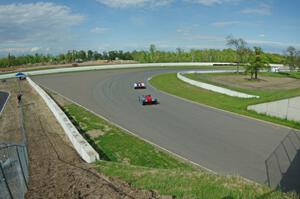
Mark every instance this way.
x=278 y=164
x=268 y=175
x=286 y=152
x=26 y=156
x=291 y=141
x=20 y=163
x=7 y=186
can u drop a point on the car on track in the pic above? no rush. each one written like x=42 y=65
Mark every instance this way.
x=148 y=100
x=139 y=85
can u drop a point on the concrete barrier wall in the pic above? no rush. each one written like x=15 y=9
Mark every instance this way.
x=86 y=152
x=119 y=66
x=116 y=66
x=212 y=87
x=286 y=109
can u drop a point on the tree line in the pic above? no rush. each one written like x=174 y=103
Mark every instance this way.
x=237 y=52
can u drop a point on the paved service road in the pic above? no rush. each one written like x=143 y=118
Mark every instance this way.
x=3 y=99
x=223 y=142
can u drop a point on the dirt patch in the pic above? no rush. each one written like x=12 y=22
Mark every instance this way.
x=10 y=124
x=264 y=82
x=56 y=171
x=95 y=133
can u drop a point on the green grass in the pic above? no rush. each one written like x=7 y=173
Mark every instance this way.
x=295 y=74
x=142 y=165
x=119 y=146
x=171 y=84
x=187 y=184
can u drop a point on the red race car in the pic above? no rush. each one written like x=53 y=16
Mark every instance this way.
x=147 y=100
x=139 y=85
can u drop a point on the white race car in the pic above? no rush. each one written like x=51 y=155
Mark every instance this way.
x=139 y=85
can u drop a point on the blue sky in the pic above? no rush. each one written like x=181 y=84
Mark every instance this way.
x=30 y=26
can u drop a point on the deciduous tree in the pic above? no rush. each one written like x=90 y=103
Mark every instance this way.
x=258 y=61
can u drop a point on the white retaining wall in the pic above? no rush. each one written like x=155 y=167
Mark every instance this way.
x=119 y=66
x=116 y=66
x=212 y=87
x=286 y=109
x=86 y=152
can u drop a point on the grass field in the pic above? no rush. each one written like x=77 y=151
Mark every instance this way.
x=171 y=84
x=146 y=167
x=295 y=74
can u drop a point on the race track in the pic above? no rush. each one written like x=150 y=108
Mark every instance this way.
x=223 y=142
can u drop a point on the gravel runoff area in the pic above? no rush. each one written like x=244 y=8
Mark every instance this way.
x=223 y=142
x=56 y=171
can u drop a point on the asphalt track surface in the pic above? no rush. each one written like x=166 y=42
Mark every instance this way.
x=3 y=99
x=220 y=141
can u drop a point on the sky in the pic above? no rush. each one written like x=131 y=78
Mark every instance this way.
x=56 y=26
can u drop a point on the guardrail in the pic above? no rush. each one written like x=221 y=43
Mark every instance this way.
x=213 y=87
x=14 y=171
x=83 y=148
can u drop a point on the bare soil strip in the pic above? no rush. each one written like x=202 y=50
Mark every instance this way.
x=262 y=83
x=9 y=118
x=56 y=171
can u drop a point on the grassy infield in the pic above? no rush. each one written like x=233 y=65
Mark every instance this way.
x=146 y=167
x=170 y=84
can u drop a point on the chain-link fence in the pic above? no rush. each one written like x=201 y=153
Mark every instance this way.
x=14 y=164
x=283 y=165
x=13 y=171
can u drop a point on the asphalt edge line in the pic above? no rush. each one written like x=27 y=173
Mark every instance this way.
x=205 y=105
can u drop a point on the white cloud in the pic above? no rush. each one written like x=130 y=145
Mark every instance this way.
x=134 y=3
x=99 y=30
x=183 y=31
x=262 y=9
x=212 y=2
x=200 y=37
x=25 y=26
x=271 y=43
x=221 y=24
x=35 y=49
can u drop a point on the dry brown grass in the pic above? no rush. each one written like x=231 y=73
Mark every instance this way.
x=263 y=82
